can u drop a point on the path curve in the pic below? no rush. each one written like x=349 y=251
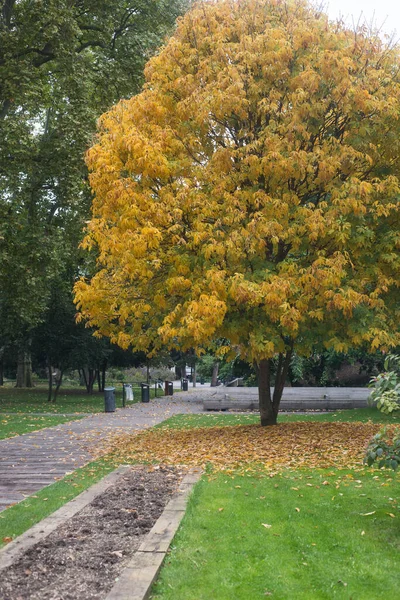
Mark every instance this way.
x=34 y=460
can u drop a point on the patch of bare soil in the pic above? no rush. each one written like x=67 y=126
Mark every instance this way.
x=83 y=557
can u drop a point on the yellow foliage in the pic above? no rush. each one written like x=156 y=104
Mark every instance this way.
x=250 y=192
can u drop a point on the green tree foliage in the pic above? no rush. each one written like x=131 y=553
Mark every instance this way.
x=62 y=63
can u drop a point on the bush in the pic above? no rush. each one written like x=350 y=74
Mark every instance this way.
x=384 y=449
x=386 y=386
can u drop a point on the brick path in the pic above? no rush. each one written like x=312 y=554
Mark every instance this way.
x=31 y=461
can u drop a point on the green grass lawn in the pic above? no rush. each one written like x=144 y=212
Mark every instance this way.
x=213 y=419
x=11 y=424
x=297 y=535
x=69 y=400
x=305 y=534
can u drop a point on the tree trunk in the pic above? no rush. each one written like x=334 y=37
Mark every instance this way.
x=194 y=375
x=267 y=414
x=24 y=369
x=59 y=382
x=214 y=376
x=103 y=375
x=89 y=376
x=269 y=403
x=50 y=388
x=1 y=366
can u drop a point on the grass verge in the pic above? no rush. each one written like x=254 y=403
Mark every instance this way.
x=299 y=534
x=20 y=517
x=12 y=425
x=214 y=419
x=69 y=401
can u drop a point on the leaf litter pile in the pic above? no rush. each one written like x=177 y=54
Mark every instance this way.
x=287 y=445
x=83 y=557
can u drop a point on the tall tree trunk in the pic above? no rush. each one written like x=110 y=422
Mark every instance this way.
x=50 y=388
x=269 y=403
x=103 y=375
x=89 y=376
x=59 y=382
x=91 y=379
x=267 y=414
x=24 y=369
x=1 y=366
x=194 y=375
x=82 y=379
x=214 y=376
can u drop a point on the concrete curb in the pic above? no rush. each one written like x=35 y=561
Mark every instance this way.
x=41 y=530
x=136 y=579
x=137 y=576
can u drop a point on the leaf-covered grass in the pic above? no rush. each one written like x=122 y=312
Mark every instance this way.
x=250 y=447
x=20 y=517
x=304 y=535
x=11 y=424
x=213 y=419
x=69 y=401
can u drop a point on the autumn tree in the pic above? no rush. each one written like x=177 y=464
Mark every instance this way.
x=250 y=192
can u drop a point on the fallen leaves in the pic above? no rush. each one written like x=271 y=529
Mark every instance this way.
x=291 y=445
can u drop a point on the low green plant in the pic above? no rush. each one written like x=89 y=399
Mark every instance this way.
x=386 y=386
x=384 y=450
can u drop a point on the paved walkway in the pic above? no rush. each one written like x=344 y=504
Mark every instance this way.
x=31 y=461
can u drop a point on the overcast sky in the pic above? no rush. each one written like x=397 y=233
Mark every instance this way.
x=387 y=11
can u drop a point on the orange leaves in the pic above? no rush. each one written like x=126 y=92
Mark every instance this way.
x=288 y=445
x=250 y=192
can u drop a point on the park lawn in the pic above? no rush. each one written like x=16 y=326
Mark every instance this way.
x=218 y=419
x=300 y=534
x=69 y=401
x=12 y=425
x=18 y=518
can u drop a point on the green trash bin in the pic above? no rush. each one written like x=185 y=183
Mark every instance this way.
x=145 y=392
x=185 y=385
x=109 y=399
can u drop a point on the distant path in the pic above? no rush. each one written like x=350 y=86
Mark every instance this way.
x=34 y=460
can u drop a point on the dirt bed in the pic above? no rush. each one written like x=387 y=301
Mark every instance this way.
x=83 y=557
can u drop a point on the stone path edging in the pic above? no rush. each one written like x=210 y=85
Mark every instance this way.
x=10 y=553
x=136 y=578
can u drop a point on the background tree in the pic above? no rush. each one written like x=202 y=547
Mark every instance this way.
x=251 y=191
x=62 y=63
